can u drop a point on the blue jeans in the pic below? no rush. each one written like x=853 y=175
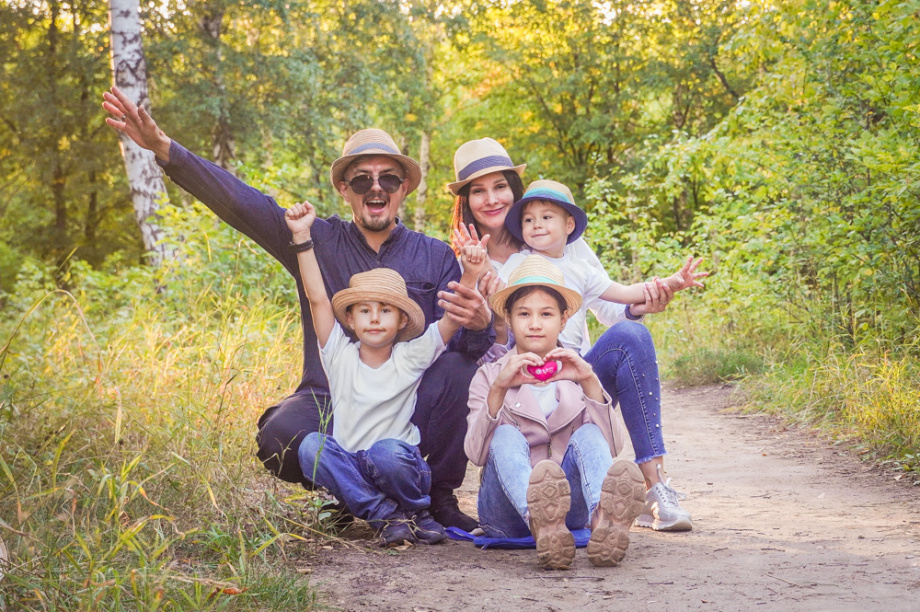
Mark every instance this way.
x=440 y=414
x=624 y=360
x=373 y=483
x=503 y=493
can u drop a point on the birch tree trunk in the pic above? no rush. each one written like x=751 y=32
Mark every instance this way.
x=424 y=157
x=129 y=73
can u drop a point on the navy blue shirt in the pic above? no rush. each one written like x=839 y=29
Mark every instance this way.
x=427 y=264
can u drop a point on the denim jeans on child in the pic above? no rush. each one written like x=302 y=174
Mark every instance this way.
x=503 y=492
x=624 y=360
x=373 y=483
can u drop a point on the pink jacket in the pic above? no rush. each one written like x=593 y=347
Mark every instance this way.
x=548 y=438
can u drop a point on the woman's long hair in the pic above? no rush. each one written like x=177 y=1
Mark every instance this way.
x=462 y=216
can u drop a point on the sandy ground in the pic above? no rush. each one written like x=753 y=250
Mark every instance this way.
x=782 y=521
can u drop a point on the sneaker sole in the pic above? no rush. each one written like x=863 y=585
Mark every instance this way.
x=622 y=498
x=683 y=523
x=549 y=500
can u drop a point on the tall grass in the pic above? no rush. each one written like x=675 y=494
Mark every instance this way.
x=127 y=420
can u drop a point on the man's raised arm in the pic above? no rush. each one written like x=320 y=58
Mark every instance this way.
x=244 y=208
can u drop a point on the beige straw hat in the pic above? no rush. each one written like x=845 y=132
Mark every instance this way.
x=536 y=271
x=480 y=157
x=375 y=142
x=381 y=285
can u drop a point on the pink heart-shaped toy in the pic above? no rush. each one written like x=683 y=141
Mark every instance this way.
x=545 y=371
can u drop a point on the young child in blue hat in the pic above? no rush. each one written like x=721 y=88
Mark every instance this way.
x=546 y=219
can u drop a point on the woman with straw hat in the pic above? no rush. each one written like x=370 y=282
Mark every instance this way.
x=487 y=184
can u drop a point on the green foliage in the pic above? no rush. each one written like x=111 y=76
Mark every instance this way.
x=59 y=191
x=127 y=479
x=807 y=210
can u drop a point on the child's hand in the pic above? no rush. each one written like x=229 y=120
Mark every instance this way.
x=687 y=277
x=515 y=374
x=490 y=284
x=474 y=258
x=573 y=367
x=300 y=218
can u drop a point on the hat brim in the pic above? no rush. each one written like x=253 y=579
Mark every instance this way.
x=351 y=296
x=572 y=298
x=513 y=218
x=410 y=166
x=455 y=187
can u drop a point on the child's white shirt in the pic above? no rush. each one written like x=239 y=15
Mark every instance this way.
x=579 y=276
x=372 y=404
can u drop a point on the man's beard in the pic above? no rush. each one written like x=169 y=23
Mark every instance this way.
x=375 y=223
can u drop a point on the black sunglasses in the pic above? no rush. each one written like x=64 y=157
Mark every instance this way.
x=362 y=184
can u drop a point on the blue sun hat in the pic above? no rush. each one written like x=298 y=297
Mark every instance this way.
x=550 y=191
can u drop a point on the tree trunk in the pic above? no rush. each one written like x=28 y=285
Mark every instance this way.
x=129 y=72
x=424 y=156
x=222 y=141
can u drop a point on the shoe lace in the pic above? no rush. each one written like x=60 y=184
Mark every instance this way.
x=671 y=495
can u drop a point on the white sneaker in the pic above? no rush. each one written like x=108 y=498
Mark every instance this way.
x=662 y=509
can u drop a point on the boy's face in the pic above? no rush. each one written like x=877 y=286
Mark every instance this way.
x=536 y=322
x=375 y=323
x=546 y=227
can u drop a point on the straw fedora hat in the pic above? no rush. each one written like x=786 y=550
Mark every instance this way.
x=375 y=142
x=381 y=285
x=550 y=191
x=480 y=157
x=536 y=271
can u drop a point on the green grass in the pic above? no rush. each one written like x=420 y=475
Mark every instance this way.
x=869 y=398
x=127 y=474
x=865 y=394
x=704 y=366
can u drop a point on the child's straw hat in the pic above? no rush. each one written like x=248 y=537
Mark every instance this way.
x=381 y=285
x=536 y=271
x=478 y=158
x=550 y=191
x=375 y=142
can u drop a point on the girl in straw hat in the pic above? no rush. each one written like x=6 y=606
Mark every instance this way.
x=545 y=432
x=624 y=357
x=371 y=461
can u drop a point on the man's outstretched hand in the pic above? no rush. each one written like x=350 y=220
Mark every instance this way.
x=466 y=306
x=140 y=127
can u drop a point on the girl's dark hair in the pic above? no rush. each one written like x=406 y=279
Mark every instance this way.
x=523 y=292
x=462 y=216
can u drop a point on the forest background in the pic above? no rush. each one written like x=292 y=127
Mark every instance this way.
x=779 y=140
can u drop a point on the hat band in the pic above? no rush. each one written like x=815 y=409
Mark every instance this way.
x=540 y=280
x=543 y=192
x=482 y=163
x=373 y=145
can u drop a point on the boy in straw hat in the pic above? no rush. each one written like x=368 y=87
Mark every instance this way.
x=546 y=433
x=373 y=177
x=372 y=461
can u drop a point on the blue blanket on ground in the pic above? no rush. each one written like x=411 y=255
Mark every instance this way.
x=455 y=533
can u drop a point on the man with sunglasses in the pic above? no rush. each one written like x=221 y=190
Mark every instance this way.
x=374 y=178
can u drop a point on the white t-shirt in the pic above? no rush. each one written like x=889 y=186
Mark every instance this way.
x=579 y=276
x=546 y=397
x=372 y=404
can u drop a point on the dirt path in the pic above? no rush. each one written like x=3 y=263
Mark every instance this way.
x=781 y=522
